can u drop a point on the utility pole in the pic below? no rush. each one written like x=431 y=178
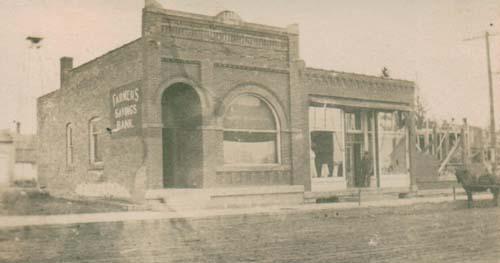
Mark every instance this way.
x=493 y=137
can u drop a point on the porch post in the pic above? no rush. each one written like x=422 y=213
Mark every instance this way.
x=412 y=151
x=374 y=147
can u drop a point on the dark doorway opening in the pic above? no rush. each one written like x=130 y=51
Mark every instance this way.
x=359 y=179
x=354 y=153
x=322 y=146
x=182 y=137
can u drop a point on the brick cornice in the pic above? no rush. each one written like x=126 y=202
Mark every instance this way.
x=180 y=61
x=251 y=68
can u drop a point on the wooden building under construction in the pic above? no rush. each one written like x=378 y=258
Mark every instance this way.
x=442 y=147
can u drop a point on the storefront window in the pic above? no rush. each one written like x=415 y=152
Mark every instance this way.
x=370 y=121
x=392 y=140
x=250 y=132
x=327 y=141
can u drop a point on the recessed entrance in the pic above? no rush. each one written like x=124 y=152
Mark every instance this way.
x=353 y=162
x=182 y=137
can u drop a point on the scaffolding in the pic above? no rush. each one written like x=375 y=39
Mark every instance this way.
x=453 y=145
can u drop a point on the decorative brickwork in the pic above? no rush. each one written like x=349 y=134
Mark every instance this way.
x=221 y=34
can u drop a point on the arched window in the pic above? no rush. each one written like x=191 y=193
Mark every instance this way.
x=69 y=144
x=250 y=132
x=94 y=140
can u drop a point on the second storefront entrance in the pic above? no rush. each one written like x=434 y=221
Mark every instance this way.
x=357 y=147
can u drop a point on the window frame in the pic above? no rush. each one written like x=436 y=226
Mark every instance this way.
x=357 y=120
x=93 y=140
x=397 y=130
x=69 y=145
x=276 y=132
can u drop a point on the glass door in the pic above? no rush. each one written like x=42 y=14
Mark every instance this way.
x=354 y=154
x=361 y=150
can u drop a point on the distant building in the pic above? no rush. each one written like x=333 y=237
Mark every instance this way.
x=7 y=158
x=25 y=157
x=214 y=102
x=17 y=157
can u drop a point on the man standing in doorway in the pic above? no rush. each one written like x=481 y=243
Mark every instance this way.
x=366 y=169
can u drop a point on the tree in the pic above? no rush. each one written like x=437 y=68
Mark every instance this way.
x=385 y=73
x=420 y=112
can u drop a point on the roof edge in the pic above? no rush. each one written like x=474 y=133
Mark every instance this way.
x=105 y=54
x=353 y=74
x=213 y=19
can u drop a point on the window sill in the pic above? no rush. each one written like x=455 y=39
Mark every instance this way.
x=96 y=166
x=255 y=167
x=329 y=179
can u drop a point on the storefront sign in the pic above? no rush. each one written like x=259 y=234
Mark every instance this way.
x=126 y=104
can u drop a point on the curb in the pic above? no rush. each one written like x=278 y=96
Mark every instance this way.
x=20 y=221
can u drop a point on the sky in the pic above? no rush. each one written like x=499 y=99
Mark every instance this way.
x=421 y=41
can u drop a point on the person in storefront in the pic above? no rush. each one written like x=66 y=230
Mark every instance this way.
x=366 y=170
x=323 y=155
x=313 y=163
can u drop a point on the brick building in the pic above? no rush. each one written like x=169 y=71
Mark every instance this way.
x=220 y=106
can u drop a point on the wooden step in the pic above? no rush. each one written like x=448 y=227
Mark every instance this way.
x=353 y=195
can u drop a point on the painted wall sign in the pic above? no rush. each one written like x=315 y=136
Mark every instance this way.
x=126 y=104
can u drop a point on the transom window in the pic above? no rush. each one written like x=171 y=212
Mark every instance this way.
x=353 y=121
x=250 y=132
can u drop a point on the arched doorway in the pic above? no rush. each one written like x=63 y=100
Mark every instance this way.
x=182 y=137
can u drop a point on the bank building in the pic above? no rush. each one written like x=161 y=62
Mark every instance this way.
x=224 y=112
